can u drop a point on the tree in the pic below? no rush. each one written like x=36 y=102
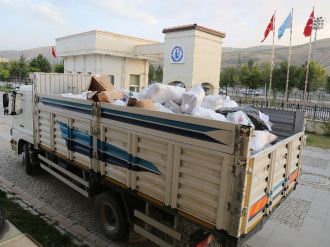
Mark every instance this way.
x=327 y=87
x=59 y=68
x=40 y=64
x=4 y=75
x=229 y=77
x=151 y=75
x=317 y=77
x=280 y=77
x=18 y=68
x=250 y=75
x=159 y=74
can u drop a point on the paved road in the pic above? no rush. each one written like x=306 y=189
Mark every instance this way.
x=302 y=220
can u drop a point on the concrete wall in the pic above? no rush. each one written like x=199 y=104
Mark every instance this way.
x=119 y=67
x=202 y=58
x=314 y=126
x=207 y=59
x=99 y=52
x=179 y=71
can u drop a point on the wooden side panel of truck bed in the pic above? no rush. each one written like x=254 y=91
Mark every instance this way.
x=201 y=167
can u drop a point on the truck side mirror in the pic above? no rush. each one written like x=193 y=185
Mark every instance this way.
x=18 y=103
x=5 y=103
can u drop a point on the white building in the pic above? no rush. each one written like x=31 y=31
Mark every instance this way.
x=190 y=54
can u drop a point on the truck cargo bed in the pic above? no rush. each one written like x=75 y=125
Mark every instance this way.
x=202 y=168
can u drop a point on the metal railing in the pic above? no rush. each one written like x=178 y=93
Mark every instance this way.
x=314 y=111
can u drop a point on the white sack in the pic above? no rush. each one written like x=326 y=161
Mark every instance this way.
x=265 y=119
x=119 y=102
x=162 y=108
x=261 y=139
x=213 y=102
x=192 y=99
x=207 y=113
x=239 y=117
x=83 y=95
x=161 y=93
x=229 y=103
x=174 y=107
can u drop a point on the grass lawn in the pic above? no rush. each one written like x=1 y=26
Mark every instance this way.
x=34 y=225
x=319 y=141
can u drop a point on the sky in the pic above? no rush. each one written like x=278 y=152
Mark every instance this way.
x=33 y=23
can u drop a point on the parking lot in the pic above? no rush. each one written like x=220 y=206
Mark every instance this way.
x=302 y=220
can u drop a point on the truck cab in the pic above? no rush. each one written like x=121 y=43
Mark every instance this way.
x=22 y=112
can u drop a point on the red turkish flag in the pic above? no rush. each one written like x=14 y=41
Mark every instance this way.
x=53 y=52
x=309 y=25
x=270 y=27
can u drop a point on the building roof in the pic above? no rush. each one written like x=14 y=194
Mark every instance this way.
x=106 y=33
x=194 y=27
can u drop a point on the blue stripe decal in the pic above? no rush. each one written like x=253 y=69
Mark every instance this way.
x=173 y=127
x=87 y=109
x=278 y=185
x=162 y=121
x=117 y=156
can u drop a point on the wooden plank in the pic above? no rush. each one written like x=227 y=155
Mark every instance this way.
x=169 y=231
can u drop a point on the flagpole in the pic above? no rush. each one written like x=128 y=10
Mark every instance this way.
x=272 y=63
x=289 y=63
x=307 y=66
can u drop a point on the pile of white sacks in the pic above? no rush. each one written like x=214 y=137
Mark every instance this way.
x=194 y=102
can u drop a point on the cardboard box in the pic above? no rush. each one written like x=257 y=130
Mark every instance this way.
x=100 y=83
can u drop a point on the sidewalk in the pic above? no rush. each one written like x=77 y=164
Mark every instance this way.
x=10 y=236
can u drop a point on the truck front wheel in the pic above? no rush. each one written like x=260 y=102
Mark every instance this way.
x=26 y=160
x=31 y=168
x=110 y=216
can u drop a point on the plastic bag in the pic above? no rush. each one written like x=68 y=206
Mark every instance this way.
x=213 y=102
x=161 y=93
x=261 y=122
x=207 y=113
x=162 y=108
x=119 y=102
x=192 y=99
x=265 y=119
x=261 y=139
x=239 y=117
x=229 y=103
x=174 y=107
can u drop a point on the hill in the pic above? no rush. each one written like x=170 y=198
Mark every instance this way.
x=29 y=54
x=261 y=54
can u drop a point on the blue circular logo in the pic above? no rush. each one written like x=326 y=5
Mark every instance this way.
x=177 y=54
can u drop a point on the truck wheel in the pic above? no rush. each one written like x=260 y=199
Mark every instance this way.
x=26 y=160
x=110 y=217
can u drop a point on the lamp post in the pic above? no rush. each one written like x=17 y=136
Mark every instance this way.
x=318 y=24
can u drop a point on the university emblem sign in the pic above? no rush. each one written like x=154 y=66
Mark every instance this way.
x=177 y=54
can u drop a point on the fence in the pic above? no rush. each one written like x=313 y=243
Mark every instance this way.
x=314 y=112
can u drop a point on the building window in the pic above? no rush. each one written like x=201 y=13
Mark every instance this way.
x=89 y=73
x=134 y=83
x=78 y=72
x=112 y=79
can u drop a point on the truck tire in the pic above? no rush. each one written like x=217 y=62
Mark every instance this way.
x=26 y=160
x=110 y=216
x=31 y=168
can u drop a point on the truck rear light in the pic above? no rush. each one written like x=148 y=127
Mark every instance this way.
x=206 y=241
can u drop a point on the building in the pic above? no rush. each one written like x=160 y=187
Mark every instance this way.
x=190 y=55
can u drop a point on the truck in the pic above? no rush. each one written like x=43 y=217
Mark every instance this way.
x=152 y=171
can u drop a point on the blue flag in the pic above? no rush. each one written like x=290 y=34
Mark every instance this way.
x=286 y=24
